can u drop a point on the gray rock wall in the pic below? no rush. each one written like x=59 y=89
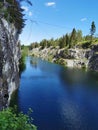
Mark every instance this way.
x=93 y=58
x=80 y=58
x=9 y=61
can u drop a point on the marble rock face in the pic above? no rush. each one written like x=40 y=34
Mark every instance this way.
x=9 y=61
x=73 y=57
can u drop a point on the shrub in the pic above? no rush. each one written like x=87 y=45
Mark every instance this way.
x=61 y=62
x=9 y=120
x=86 y=45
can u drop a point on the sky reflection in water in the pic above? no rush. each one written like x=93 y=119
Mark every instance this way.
x=62 y=99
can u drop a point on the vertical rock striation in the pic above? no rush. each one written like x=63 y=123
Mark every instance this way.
x=9 y=61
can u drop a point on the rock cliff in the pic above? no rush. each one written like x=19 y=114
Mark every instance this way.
x=9 y=61
x=80 y=58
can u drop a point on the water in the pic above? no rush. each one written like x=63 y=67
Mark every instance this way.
x=61 y=99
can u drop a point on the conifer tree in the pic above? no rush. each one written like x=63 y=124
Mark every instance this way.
x=73 y=38
x=11 y=10
x=92 y=30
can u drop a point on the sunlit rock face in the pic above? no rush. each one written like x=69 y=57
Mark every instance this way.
x=9 y=61
x=93 y=60
x=79 y=58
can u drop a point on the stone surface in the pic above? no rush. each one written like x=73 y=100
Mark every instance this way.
x=80 y=58
x=93 y=63
x=9 y=61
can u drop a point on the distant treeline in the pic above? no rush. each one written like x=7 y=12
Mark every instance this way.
x=73 y=39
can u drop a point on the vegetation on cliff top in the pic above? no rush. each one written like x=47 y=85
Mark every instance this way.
x=71 y=40
x=24 y=53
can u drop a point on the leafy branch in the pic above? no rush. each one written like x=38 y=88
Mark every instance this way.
x=11 y=10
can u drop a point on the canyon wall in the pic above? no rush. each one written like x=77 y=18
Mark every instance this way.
x=73 y=57
x=9 y=61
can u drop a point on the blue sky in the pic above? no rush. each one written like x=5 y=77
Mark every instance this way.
x=48 y=19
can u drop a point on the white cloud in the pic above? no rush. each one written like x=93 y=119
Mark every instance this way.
x=30 y=13
x=25 y=8
x=49 y=4
x=83 y=19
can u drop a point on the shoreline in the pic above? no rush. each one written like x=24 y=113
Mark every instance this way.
x=73 y=58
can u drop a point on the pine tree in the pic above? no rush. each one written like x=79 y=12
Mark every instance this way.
x=79 y=35
x=67 y=40
x=92 y=30
x=73 y=38
x=62 y=42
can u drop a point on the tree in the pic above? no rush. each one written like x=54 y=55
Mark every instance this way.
x=79 y=35
x=87 y=38
x=62 y=42
x=43 y=43
x=50 y=42
x=92 y=30
x=67 y=40
x=11 y=10
x=73 y=38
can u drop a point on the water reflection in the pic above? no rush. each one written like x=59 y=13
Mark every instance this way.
x=33 y=63
x=71 y=115
x=75 y=77
x=22 y=65
x=62 y=99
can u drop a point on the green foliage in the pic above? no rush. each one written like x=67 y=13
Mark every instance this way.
x=22 y=47
x=62 y=42
x=50 y=42
x=61 y=61
x=67 y=40
x=92 y=29
x=24 y=50
x=50 y=58
x=87 y=38
x=11 y=10
x=9 y=120
x=33 y=45
x=86 y=45
x=79 y=36
x=22 y=65
x=74 y=39
x=43 y=44
x=66 y=52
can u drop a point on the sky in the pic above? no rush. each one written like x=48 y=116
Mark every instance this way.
x=48 y=19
